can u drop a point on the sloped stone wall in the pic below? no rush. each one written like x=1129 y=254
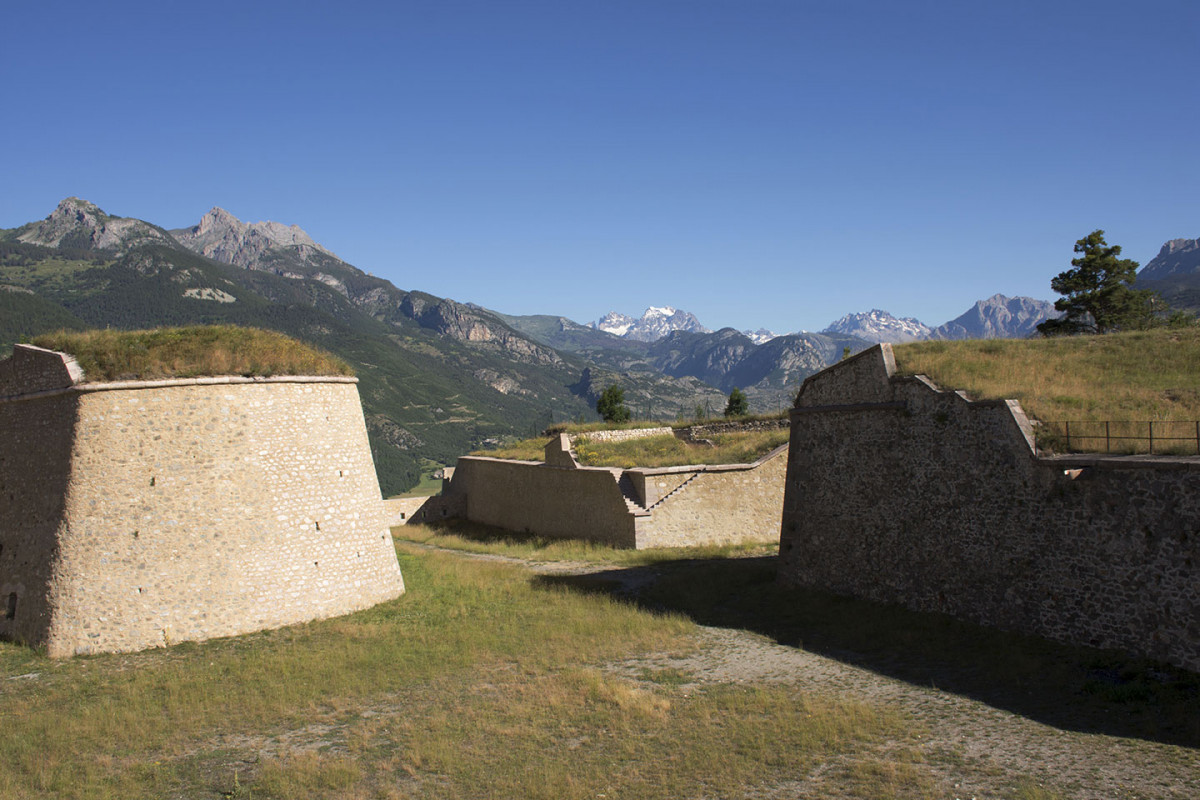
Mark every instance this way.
x=530 y=497
x=900 y=492
x=141 y=515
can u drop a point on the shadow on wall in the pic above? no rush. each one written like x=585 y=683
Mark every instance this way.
x=1069 y=687
x=34 y=473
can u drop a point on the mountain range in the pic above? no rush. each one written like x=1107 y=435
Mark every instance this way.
x=437 y=377
x=997 y=317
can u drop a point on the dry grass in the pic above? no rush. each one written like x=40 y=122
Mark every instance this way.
x=480 y=682
x=656 y=451
x=1129 y=377
x=190 y=352
x=472 y=537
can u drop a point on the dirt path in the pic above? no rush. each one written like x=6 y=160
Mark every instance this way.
x=976 y=750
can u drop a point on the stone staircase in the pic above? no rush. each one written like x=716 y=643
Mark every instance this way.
x=632 y=501
x=674 y=491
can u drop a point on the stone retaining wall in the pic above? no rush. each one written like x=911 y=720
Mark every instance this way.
x=663 y=507
x=900 y=492
x=621 y=435
x=530 y=497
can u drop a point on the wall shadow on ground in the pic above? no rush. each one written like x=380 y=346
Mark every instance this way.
x=1072 y=688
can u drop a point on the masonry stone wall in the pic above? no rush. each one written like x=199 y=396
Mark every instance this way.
x=622 y=435
x=138 y=515
x=901 y=492
x=635 y=508
x=530 y=497
x=400 y=510
x=714 y=505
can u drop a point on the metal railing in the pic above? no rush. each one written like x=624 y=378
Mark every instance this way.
x=1162 y=437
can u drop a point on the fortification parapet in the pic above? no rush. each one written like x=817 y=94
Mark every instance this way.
x=33 y=370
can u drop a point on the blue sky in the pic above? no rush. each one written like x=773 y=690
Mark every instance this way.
x=761 y=163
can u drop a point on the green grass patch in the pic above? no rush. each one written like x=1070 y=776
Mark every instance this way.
x=472 y=537
x=110 y=355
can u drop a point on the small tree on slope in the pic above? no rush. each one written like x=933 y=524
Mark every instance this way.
x=1097 y=295
x=737 y=405
x=611 y=405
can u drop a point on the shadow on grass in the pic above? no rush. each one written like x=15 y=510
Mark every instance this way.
x=1075 y=688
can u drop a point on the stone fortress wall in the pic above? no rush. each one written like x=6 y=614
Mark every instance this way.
x=633 y=508
x=139 y=514
x=901 y=492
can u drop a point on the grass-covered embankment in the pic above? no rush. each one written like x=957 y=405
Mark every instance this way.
x=190 y=352
x=1132 y=378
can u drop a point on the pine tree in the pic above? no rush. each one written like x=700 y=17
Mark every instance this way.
x=1097 y=295
x=611 y=405
x=737 y=405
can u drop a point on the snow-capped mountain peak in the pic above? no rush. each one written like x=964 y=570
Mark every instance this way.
x=655 y=323
x=760 y=336
x=614 y=323
x=877 y=325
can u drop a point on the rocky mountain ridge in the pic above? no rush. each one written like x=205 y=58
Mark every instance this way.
x=1177 y=257
x=998 y=317
x=76 y=223
x=223 y=237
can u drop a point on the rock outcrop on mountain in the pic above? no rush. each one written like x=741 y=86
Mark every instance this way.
x=462 y=323
x=998 y=317
x=76 y=223
x=653 y=325
x=1177 y=257
x=877 y=326
x=256 y=245
x=1175 y=275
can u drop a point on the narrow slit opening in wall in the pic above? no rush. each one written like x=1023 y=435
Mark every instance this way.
x=10 y=610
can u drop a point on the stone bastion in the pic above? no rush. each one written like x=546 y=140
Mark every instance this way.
x=141 y=513
x=902 y=492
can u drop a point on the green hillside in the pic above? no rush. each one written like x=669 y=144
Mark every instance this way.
x=437 y=379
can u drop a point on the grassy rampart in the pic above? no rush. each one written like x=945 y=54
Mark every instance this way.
x=189 y=352
x=655 y=451
x=1127 y=378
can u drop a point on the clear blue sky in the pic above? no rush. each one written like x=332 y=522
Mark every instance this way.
x=774 y=163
